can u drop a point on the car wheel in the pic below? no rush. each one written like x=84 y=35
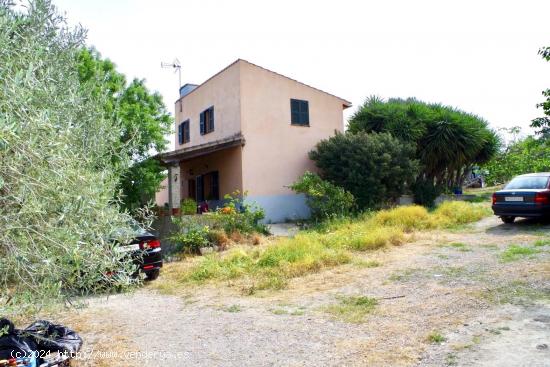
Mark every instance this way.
x=153 y=274
x=508 y=219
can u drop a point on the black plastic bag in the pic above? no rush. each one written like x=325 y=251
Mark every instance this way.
x=53 y=337
x=13 y=344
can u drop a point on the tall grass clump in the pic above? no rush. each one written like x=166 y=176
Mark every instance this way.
x=327 y=246
x=60 y=163
x=406 y=217
x=451 y=213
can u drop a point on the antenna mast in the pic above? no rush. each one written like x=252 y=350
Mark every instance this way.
x=176 y=65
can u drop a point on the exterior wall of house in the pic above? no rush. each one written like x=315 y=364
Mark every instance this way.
x=276 y=152
x=221 y=91
x=255 y=102
x=228 y=164
x=161 y=197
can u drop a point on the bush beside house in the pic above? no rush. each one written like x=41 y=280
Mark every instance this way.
x=375 y=168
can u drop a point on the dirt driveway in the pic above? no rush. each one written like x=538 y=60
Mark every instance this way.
x=446 y=298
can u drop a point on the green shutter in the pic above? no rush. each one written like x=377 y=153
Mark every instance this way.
x=211 y=119
x=202 y=123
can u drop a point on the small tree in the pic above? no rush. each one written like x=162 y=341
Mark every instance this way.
x=143 y=120
x=375 y=168
x=543 y=123
x=324 y=199
x=522 y=156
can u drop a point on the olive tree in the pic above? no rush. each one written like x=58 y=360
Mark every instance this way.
x=60 y=163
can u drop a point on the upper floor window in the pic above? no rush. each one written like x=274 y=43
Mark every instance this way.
x=299 y=112
x=207 y=121
x=184 y=132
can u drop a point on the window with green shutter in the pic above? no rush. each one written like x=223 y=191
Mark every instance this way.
x=207 y=121
x=299 y=112
x=184 y=132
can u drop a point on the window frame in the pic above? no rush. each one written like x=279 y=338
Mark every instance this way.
x=299 y=116
x=206 y=127
x=184 y=132
x=214 y=189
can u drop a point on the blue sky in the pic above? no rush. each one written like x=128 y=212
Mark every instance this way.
x=480 y=56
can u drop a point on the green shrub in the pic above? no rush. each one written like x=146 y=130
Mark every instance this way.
x=324 y=199
x=188 y=206
x=375 y=168
x=425 y=192
x=239 y=216
x=192 y=238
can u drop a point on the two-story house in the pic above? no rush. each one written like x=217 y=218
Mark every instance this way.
x=248 y=129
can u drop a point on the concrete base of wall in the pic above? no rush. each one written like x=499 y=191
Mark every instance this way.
x=282 y=208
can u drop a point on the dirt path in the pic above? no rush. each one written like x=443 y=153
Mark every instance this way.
x=451 y=284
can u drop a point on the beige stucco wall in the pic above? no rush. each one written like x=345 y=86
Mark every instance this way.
x=276 y=152
x=227 y=162
x=221 y=91
x=161 y=197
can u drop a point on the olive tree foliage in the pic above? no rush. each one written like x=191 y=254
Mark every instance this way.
x=58 y=172
x=448 y=141
x=375 y=168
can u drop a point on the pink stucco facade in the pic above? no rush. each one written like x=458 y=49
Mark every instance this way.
x=253 y=147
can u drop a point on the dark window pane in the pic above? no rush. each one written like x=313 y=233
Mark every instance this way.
x=299 y=112
x=202 y=129
x=192 y=192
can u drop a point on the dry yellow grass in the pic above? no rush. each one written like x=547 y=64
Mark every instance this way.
x=271 y=266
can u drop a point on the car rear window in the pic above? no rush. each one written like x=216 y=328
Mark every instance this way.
x=528 y=182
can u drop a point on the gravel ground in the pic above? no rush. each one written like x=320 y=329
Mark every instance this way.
x=490 y=313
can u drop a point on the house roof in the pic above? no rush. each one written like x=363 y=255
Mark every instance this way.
x=345 y=103
x=183 y=154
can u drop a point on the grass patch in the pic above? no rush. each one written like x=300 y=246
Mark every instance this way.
x=490 y=246
x=448 y=214
x=515 y=252
x=333 y=244
x=233 y=308
x=459 y=246
x=352 y=308
x=436 y=338
x=405 y=274
x=542 y=243
x=367 y=263
x=517 y=293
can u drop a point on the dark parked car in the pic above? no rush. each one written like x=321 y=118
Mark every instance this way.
x=146 y=251
x=525 y=196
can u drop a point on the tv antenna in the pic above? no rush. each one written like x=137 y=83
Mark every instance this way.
x=176 y=65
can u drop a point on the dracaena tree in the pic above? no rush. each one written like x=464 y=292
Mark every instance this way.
x=448 y=141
